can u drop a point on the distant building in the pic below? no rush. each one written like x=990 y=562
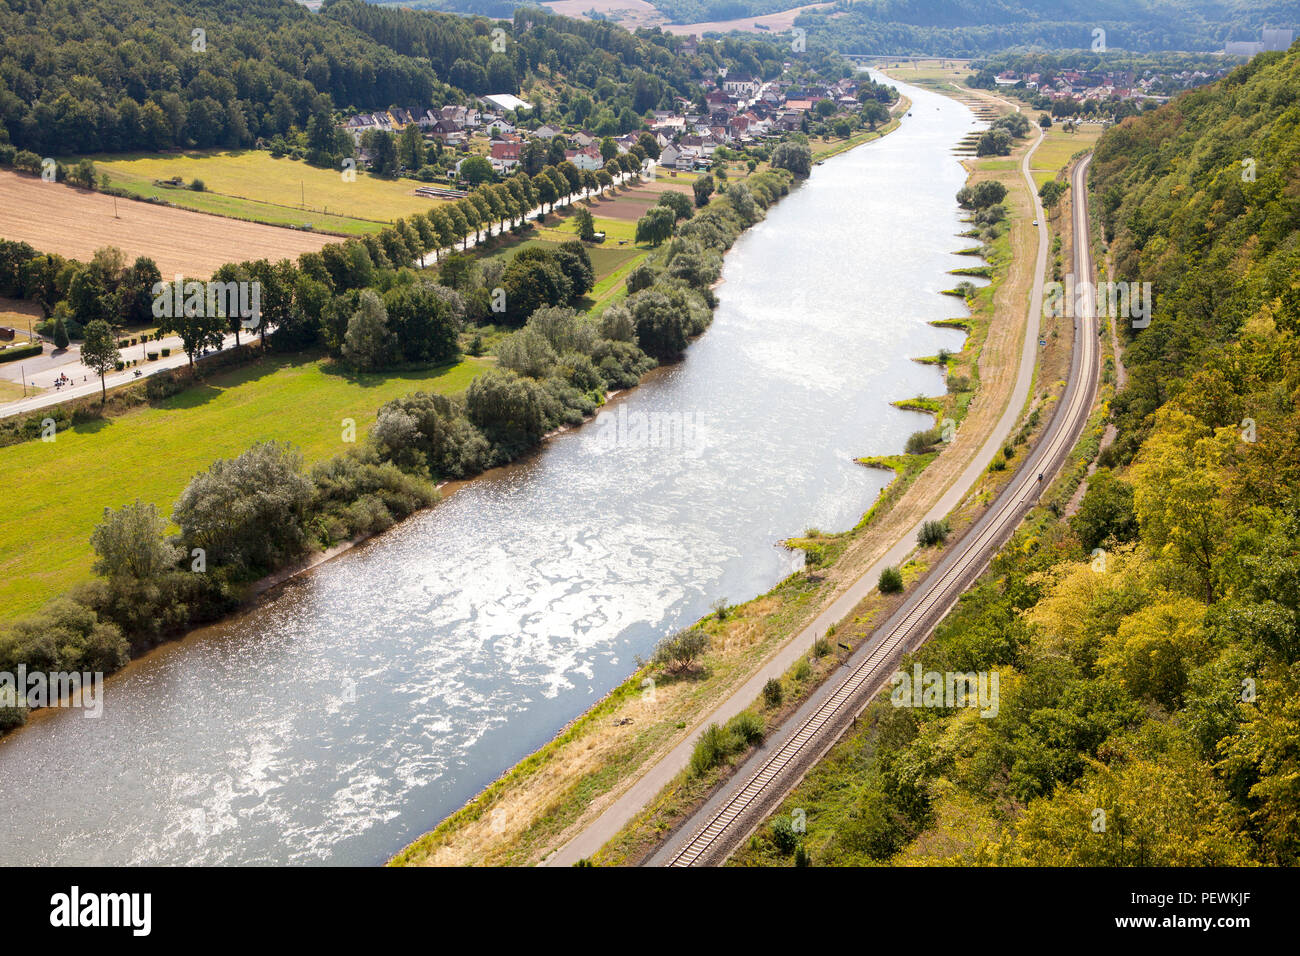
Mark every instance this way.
x=506 y=101
x=1269 y=40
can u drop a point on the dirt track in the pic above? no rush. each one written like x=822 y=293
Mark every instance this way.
x=75 y=222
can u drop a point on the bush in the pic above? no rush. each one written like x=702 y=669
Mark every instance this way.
x=717 y=743
x=783 y=836
x=772 y=693
x=891 y=581
x=152 y=356
x=918 y=443
x=166 y=352
x=679 y=651
x=932 y=533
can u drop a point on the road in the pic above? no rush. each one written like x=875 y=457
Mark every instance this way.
x=646 y=787
x=753 y=793
x=72 y=367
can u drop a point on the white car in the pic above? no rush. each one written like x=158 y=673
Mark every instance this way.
x=1035 y=222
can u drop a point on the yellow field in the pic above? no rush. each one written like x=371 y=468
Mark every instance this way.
x=283 y=191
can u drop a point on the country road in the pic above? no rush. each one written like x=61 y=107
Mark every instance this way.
x=754 y=792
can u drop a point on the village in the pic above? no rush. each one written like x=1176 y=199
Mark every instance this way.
x=739 y=110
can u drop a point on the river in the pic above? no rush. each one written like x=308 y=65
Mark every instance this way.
x=362 y=702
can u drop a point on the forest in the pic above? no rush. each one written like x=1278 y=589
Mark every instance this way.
x=975 y=27
x=127 y=75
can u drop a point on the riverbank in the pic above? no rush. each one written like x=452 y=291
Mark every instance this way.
x=539 y=804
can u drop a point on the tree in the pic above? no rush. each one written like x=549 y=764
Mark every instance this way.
x=891 y=581
x=198 y=331
x=410 y=147
x=586 y=225
x=476 y=170
x=648 y=143
x=369 y=343
x=131 y=542
x=680 y=650
x=99 y=353
x=249 y=512
x=1106 y=511
x=993 y=142
x=60 y=333
x=796 y=157
x=655 y=226
x=703 y=189
x=678 y=203
x=1050 y=193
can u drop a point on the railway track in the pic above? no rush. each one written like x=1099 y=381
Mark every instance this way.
x=725 y=821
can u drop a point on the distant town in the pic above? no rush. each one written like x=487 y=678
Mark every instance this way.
x=738 y=110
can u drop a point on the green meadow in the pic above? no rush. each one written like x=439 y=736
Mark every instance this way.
x=61 y=488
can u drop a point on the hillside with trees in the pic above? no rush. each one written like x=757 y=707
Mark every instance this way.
x=974 y=27
x=1147 y=645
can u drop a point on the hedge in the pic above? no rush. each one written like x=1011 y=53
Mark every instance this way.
x=21 y=351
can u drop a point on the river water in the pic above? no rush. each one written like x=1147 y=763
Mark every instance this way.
x=366 y=700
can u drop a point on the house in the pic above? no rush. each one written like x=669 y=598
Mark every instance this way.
x=584 y=139
x=740 y=84
x=546 y=131
x=504 y=156
x=498 y=128
x=587 y=159
x=669 y=155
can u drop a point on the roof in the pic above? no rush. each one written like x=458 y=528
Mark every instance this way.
x=507 y=101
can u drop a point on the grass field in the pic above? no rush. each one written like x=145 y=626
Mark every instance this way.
x=249 y=184
x=153 y=452
x=1058 y=146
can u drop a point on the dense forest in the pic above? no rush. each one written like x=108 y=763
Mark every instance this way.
x=1148 y=646
x=122 y=75
x=974 y=27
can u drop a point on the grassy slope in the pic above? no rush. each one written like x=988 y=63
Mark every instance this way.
x=153 y=452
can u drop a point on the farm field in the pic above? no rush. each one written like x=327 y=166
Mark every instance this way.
x=75 y=222
x=250 y=184
x=152 y=453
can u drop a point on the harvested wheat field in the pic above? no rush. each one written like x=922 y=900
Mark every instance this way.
x=76 y=222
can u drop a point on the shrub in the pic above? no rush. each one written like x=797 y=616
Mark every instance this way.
x=166 y=352
x=772 y=693
x=783 y=836
x=679 y=651
x=918 y=443
x=802 y=670
x=891 y=581
x=932 y=533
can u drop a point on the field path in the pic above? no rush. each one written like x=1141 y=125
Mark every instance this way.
x=76 y=222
